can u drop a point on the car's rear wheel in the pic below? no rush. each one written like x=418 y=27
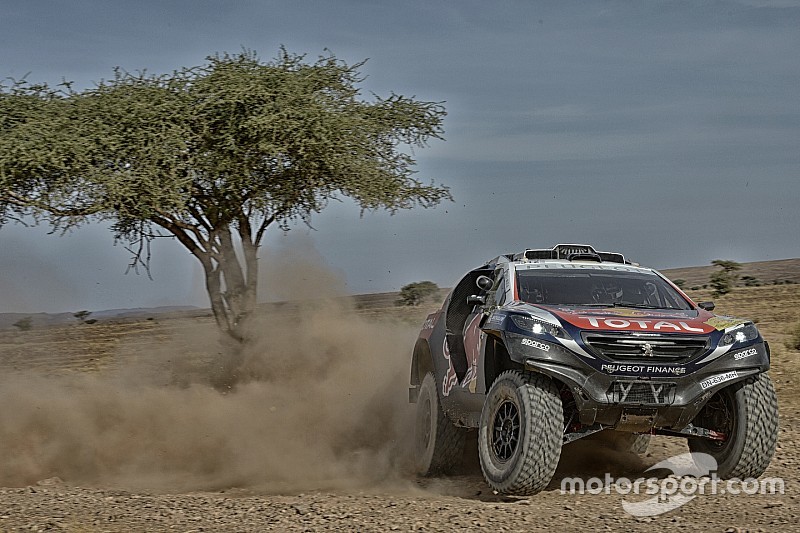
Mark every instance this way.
x=747 y=414
x=520 y=433
x=439 y=444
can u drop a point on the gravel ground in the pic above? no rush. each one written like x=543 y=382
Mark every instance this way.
x=461 y=502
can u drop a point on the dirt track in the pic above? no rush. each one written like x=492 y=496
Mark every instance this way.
x=387 y=499
x=461 y=502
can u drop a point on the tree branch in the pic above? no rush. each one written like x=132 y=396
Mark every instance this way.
x=15 y=199
x=204 y=256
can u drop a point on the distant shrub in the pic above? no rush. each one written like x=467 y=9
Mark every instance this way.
x=681 y=283
x=82 y=316
x=723 y=281
x=696 y=287
x=751 y=281
x=793 y=342
x=416 y=293
x=24 y=324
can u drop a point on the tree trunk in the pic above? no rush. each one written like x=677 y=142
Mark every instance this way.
x=231 y=289
x=214 y=289
x=250 y=250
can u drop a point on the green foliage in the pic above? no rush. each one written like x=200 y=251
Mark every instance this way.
x=751 y=281
x=417 y=292
x=211 y=155
x=680 y=283
x=723 y=281
x=82 y=315
x=793 y=341
x=233 y=137
x=727 y=265
x=24 y=324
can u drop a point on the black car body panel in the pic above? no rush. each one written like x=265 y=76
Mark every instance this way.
x=634 y=364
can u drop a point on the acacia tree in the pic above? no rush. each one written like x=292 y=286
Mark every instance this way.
x=723 y=281
x=417 y=292
x=213 y=156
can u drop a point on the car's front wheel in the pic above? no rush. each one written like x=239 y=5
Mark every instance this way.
x=747 y=414
x=439 y=444
x=520 y=434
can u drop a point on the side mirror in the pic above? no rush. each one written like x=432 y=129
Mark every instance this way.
x=484 y=283
x=708 y=306
x=476 y=300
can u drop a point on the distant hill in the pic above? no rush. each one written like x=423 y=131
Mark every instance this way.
x=38 y=320
x=767 y=272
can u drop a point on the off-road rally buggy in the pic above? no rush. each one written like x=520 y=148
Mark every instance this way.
x=541 y=348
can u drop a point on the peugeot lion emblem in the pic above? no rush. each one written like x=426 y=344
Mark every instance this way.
x=647 y=348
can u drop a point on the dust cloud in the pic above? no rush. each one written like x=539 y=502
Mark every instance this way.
x=594 y=457
x=319 y=401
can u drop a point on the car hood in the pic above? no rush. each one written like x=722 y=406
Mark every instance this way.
x=691 y=321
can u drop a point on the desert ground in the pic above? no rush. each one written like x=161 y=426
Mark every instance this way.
x=120 y=426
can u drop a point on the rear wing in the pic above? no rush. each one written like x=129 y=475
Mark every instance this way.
x=572 y=252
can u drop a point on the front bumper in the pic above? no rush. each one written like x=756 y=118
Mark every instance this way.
x=640 y=396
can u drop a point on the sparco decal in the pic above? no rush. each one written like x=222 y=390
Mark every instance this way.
x=535 y=344
x=745 y=353
x=649 y=325
x=644 y=369
x=716 y=380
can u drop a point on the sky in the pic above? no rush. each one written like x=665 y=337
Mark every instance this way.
x=668 y=131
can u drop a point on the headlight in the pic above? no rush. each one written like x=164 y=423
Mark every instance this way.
x=744 y=334
x=539 y=327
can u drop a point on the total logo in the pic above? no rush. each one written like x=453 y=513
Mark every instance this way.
x=535 y=344
x=653 y=325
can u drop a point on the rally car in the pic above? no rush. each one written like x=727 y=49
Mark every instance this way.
x=546 y=346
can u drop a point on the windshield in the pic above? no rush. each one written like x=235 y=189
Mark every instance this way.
x=598 y=287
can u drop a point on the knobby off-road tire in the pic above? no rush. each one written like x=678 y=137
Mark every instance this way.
x=751 y=412
x=520 y=433
x=439 y=444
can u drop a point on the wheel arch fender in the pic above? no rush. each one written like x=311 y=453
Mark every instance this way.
x=421 y=362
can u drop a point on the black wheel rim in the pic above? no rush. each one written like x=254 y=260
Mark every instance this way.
x=719 y=415
x=505 y=431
